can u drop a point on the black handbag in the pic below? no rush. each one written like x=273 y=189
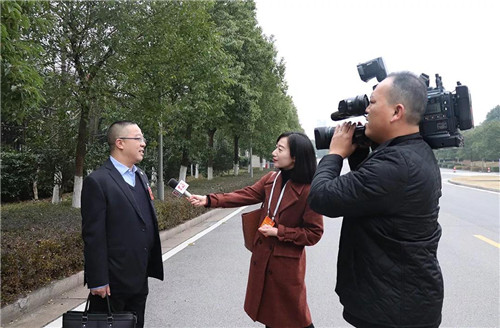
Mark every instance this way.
x=79 y=319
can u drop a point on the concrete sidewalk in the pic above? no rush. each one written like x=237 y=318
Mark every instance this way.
x=47 y=304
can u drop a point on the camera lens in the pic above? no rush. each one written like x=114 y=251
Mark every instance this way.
x=323 y=136
x=354 y=106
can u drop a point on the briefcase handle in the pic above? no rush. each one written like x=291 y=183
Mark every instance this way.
x=85 y=316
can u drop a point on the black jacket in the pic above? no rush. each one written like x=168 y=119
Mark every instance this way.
x=116 y=245
x=387 y=271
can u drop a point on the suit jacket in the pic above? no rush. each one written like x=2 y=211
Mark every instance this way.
x=114 y=232
x=276 y=290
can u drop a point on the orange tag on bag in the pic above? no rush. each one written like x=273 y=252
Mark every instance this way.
x=268 y=221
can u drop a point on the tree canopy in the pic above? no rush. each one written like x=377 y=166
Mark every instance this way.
x=480 y=143
x=200 y=73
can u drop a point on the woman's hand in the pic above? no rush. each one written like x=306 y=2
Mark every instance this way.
x=198 y=200
x=268 y=231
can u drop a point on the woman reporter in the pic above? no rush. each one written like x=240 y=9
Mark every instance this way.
x=276 y=291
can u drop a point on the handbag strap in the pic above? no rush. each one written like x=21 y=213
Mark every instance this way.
x=85 y=313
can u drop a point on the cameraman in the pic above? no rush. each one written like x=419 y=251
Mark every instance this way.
x=388 y=274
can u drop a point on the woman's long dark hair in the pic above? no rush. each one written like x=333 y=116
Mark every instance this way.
x=301 y=148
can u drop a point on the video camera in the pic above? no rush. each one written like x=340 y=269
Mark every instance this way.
x=444 y=115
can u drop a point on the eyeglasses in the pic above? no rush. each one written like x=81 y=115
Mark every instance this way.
x=140 y=139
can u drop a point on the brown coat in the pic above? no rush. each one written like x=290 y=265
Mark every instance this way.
x=276 y=290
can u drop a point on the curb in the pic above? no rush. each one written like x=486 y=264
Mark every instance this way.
x=472 y=186
x=41 y=296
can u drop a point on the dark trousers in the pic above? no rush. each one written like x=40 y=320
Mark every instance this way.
x=122 y=302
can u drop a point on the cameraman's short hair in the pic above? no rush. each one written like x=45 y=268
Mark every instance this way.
x=411 y=91
x=115 y=130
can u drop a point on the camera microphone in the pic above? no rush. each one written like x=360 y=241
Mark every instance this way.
x=180 y=188
x=337 y=116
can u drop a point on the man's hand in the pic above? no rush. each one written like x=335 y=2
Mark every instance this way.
x=103 y=291
x=341 y=143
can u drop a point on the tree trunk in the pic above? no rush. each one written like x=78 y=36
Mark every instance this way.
x=56 y=194
x=77 y=192
x=161 y=185
x=236 y=158
x=211 y=151
x=262 y=163
x=196 y=171
x=250 y=166
x=183 y=173
x=185 y=156
x=35 y=190
x=56 y=191
x=80 y=153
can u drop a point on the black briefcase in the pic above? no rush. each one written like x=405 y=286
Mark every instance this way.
x=79 y=319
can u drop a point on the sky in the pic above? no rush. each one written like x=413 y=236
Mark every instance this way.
x=323 y=41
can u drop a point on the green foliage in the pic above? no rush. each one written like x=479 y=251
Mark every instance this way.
x=41 y=243
x=494 y=114
x=21 y=83
x=480 y=143
x=18 y=174
x=174 y=211
x=226 y=183
x=223 y=159
x=187 y=69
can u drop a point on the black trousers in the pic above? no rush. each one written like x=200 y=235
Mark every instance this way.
x=122 y=302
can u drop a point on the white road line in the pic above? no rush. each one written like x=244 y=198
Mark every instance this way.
x=180 y=247
x=57 y=323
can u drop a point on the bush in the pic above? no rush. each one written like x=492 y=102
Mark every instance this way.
x=174 y=211
x=18 y=174
x=41 y=242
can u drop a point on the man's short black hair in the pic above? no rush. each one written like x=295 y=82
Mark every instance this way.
x=301 y=148
x=115 y=130
x=411 y=91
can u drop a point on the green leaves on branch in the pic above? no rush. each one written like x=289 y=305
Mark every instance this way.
x=201 y=70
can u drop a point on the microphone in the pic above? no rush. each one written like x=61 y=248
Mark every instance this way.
x=337 y=116
x=180 y=188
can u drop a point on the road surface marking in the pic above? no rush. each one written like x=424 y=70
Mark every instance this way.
x=180 y=247
x=489 y=241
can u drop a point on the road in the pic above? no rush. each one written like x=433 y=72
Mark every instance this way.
x=206 y=282
x=470 y=265
x=205 y=279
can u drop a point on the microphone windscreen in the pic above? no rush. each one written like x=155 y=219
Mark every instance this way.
x=173 y=183
x=337 y=116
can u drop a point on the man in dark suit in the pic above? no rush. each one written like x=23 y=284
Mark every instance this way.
x=119 y=226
